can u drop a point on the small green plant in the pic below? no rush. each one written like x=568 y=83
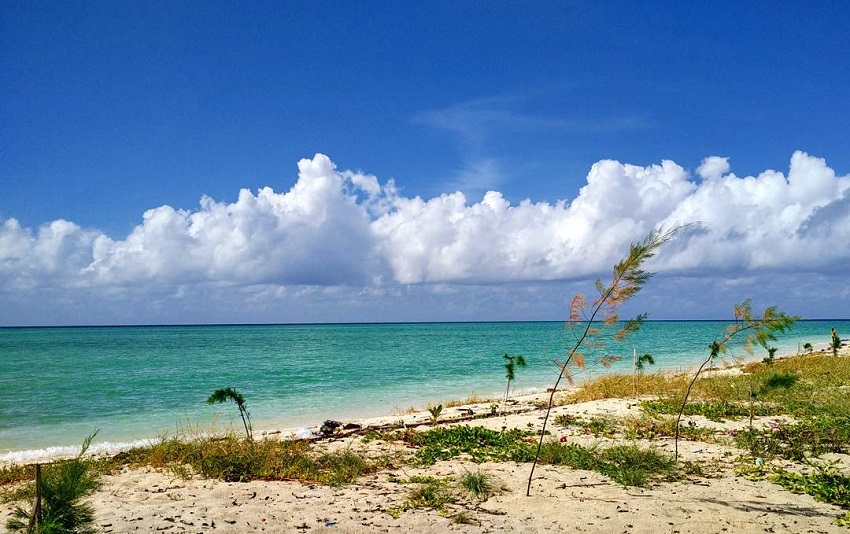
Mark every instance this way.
x=58 y=507
x=511 y=364
x=600 y=426
x=775 y=381
x=643 y=361
x=782 y=379
x=808 y=347
x=566 y=419
x=480 y=485
x=464 y=517
x=809 y=437
x=432 y=493
x=632 y=466
x=713 y=411
x=640 y=364
x=230 y=394
x=835 y=342
x=653 y=427
x=771 y=354
x=435 y=412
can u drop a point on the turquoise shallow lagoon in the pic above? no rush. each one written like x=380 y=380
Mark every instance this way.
x=59 y=384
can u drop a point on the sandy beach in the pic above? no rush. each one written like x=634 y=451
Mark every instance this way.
x=562 y=499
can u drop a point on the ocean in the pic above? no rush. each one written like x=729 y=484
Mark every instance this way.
x=57 y=385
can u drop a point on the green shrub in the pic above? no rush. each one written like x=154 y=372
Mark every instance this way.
x=63 y=486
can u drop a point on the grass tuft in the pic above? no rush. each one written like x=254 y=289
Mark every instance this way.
x=481 y=486
x=628 y=465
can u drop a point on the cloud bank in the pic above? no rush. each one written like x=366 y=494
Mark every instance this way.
x=344 y=238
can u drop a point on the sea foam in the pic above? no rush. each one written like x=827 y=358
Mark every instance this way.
x=48 y=454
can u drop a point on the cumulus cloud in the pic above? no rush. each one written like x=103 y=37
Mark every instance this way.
x=344 y=229
x=713 y=167
x=316 y=233
x=767 y=221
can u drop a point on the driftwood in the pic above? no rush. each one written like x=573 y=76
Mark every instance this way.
x=467 y=414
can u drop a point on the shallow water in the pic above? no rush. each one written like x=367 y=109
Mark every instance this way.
x=59 y=384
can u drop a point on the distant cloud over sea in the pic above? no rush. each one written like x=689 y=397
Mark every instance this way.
x=348 y=236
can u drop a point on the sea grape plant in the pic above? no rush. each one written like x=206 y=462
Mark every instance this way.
x=586 y=320
x=230 y=394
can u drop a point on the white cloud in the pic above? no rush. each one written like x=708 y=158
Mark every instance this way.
x=52 y=256
x=316 y=233
x=479 y=119
x=713 y=167
x=766 y=221
x=344 y=238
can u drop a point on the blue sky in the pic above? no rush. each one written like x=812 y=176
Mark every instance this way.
x=111 y=109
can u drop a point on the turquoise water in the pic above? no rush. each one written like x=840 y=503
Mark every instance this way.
x=59 y=384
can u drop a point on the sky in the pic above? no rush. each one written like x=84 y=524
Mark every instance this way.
x=299 y=162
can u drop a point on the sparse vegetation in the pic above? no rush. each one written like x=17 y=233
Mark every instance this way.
x=230 y=394
x=628 y=465
x=428 y=492
x=758 y=331
x=812 y=393
x=463 y=518
x=239 y=460
x=825 y=483
x=627 y=280
x=480 y=444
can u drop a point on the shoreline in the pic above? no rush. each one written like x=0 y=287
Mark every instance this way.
x=410 y=416
x=407 y=367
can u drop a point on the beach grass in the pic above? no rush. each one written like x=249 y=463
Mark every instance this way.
x=480 y=485
x=820 y=386
x=234 y=459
